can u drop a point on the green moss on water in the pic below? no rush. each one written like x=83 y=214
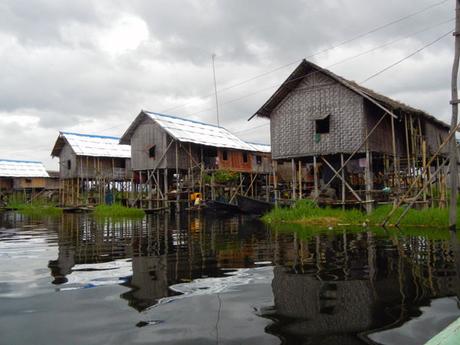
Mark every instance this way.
x=36 y=209
x=118 y=211
x=305 y=212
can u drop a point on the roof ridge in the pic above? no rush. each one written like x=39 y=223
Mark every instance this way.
x=184 y=119
x=91 y=135
x=20 y=161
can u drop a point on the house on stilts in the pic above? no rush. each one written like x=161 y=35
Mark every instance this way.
x=346 y=144
x=93 y=169
x=22 y=180
x=174 y=158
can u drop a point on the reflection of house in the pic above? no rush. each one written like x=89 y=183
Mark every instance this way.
x=164 y=146
x=24 y=177
x=330 y=294
x=91 y=164
x=324 y=306
x=149 y=281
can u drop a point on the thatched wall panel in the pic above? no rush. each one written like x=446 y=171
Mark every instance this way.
x=293 y=121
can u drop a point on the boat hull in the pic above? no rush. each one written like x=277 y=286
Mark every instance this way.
x=253 y=206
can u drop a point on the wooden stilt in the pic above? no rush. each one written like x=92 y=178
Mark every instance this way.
x=275 y=183
x=369 y=181
x=300 y=180
x=343 y=179
x=293 y=176
x=315 y=177
x=178 y=187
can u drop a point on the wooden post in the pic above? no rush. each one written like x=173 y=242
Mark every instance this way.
x=343 y=179
x=315 y=177
x=177 y=179
x=424 y=173
x=275 y=183
x=453 y=153
x=267 y=187
x=158 y=189
x=213 y=192
x=201 y=174
x=191 y=169
x=300 y=179
x=395 y=159
x=369 y=181
x=165 y=187
x=293 y=176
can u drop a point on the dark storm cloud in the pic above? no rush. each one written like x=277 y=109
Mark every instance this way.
x=90 y=66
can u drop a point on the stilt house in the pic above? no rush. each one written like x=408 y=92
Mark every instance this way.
x=91 y=168
x=320 y=122
x=25 y=178
x=172 y=153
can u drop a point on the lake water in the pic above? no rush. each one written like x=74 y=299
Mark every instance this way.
x=192 y=279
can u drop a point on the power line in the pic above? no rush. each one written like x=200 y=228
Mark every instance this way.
x=368 y=78
x=407 y=57
x=354 y=38
x=336 y=63
x=349 y=58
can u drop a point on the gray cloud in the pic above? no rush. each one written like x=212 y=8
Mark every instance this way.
x=90 y=66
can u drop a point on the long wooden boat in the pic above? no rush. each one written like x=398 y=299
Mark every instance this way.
x=221 y=207
x=253 y=206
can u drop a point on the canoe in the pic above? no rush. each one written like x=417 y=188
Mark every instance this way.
x=253 y=206
x=221 y=207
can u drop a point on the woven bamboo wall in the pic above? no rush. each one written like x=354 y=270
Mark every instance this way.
x=293 y=121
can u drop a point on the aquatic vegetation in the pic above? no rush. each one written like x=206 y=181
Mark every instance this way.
x=118 y=211
x=307 y=213
x=35 y=208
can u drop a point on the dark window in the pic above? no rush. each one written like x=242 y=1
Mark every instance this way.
x=322 y=126
x=259 y=160
x=152 y=152
x=28 y=180
x=121 y=163
x=225 y=155
x=245 y=157
x=69 y=164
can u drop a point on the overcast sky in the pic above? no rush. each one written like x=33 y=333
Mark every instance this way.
x=91 y=66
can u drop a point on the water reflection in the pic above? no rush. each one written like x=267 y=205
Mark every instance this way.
x=349 y=287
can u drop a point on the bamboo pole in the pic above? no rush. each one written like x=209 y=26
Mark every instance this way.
x=431 y=160
x=300 y=179
x=293 y=179
x=418 y=194
x=356 y=150
x=315 y=177
x=369 y=184
x=424 y=171
x=453 y=152
x=275 y=182
x=177 y=179
x=343 y=184
x=395 y=159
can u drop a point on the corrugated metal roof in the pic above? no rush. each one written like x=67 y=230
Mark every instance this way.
x=260 y=147
x=199 y=133
x=96 y=145
x=15 y=168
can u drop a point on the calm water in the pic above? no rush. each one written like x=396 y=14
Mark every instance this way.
x=213 y=280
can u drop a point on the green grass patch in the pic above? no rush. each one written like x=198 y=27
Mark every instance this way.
x=305 y=212
x=118 y=211
x=36 y=209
